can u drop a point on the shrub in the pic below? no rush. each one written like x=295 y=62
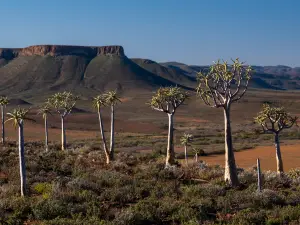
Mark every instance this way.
x=294 y=174
x=248 y=177
x=50 y=209
x=249 y=217
x=267 y=198
x=44 y=189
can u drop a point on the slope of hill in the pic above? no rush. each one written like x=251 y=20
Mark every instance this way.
x=168 y=73
x=120 y=72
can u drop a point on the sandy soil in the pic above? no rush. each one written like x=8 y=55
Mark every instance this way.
x=188 y=119
x=79 y=126
x=247 y=158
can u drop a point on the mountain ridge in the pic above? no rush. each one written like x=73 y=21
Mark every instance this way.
x=42 y=69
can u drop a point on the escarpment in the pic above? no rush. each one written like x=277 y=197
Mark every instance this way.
x=61 y=50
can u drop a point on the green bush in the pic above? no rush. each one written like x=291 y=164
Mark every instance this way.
x=249 y=217
x=44 y=189
x=50 y=209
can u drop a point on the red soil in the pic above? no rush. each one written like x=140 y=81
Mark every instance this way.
x=247 y=158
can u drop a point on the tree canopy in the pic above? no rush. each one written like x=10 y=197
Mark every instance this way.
x=274 y=119
x=3 y=100
x=186 y=139
x=63 y=102
x=111 y=97
x=224 y=83
x=168 y=99
x=18 y=115
x=45 y=110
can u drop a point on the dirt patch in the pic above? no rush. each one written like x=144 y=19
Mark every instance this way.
x=188 y=119
x=247 y=158
x=79 y=126
x=3 y=175
x=125 y=99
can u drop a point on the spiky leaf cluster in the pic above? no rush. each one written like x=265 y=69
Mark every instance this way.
x=17 y=116
x=3 y=100
x=224 y=83
x=63 y=102
x=168 y=99
x=111 y=97
x=108 y=98
x=45 y=110
x=186 y=139
x=274 y=119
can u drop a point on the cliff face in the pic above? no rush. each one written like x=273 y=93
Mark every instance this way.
x=59 y=50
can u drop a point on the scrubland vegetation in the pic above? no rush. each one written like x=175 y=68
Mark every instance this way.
x=78 y=187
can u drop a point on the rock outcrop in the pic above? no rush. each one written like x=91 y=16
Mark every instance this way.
x=60 y=50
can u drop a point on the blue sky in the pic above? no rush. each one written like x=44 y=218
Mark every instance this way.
x=261 y=32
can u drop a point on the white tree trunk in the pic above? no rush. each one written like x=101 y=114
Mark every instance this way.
x=278 y=155
x=46 y=133
x=196 y=157
x=112 y=132
x=170 y=159
x=230 y=175
x=22 y=159
x=2 y=120
x=185 y=155
x=63 y=134
x=107 y=155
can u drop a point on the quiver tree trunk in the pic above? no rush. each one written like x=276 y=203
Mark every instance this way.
x=63 y=134
x=112 y=132
x=2 y=124
x=185 y=155
x=107 y=155
x=278 y=155
x=46 y=133
x=230 y=167
x=170 y=159
x=22 y=159
x=196 y=157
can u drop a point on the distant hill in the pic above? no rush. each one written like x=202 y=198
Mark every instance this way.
x=268 y=77
x=168 y=73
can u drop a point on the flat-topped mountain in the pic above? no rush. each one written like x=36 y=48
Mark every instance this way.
x=85 y=70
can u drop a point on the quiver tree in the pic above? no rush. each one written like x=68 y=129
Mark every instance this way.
x=18 y=116
x=197 y=152
x=3 y=103
x=185 y=140
x=63 y=103
x=274 y=120
x=98 y=103
x=223 y=85
x=111 y=99
x=167 y=100
x=45 y=110
x=107 y=99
